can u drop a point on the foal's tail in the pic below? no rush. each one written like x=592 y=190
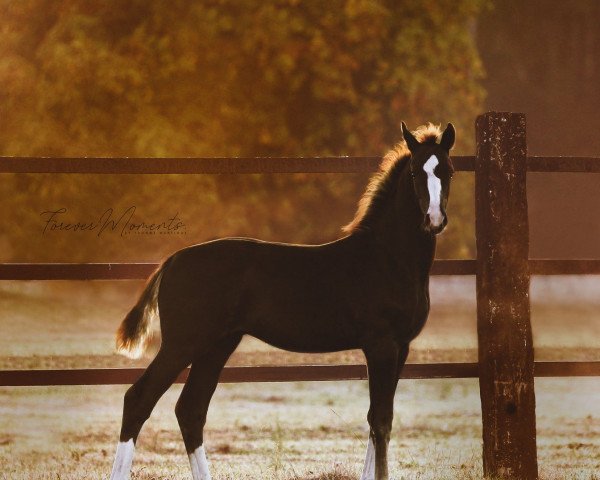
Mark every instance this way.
x=140 y=329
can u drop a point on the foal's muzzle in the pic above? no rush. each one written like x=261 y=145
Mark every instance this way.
x=435 y=229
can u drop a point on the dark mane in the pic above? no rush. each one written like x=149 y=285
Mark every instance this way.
x=383 y=183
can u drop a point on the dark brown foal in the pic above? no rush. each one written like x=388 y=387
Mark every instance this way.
x=368 y=290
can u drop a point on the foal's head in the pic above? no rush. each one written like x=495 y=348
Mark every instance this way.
x=431 y=171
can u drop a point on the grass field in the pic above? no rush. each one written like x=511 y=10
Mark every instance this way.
x=304 y=430
x=290 y=431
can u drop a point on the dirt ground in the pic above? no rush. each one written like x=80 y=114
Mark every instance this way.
x=304 y=430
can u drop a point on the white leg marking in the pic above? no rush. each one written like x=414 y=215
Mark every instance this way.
x=123 y=458
x=434 y=185
x=369 y=469
x=199 y=464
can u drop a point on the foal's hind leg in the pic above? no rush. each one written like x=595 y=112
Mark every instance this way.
x=193 y=403
x=140 y=399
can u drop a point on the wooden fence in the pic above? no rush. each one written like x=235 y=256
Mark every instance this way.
x=506 y=366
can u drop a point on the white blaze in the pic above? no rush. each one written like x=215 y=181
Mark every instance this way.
x=369 y=469
x=434 y=185
x=199 y=464
x=123 y=459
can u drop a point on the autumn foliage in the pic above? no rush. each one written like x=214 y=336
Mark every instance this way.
x=221 y=78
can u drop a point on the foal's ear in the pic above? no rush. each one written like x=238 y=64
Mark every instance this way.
x=409 y=138
x=447 y=141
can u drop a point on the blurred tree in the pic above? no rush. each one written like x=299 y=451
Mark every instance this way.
x=548 y=66
x=226 y=78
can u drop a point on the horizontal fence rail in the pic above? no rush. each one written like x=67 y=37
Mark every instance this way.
x=564 y=267
x=280 y=373
x=203 y=165
x=564 y=164
x=141 y=271
x=462 y=163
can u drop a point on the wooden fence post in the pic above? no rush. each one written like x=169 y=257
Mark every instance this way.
x=503 y=316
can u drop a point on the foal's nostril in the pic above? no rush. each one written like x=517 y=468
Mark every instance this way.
x=435 y=220
x=436 y=228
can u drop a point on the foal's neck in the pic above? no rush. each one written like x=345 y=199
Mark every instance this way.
x=399 y=230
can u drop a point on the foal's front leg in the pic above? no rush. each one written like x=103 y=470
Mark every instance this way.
x=383 y=368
